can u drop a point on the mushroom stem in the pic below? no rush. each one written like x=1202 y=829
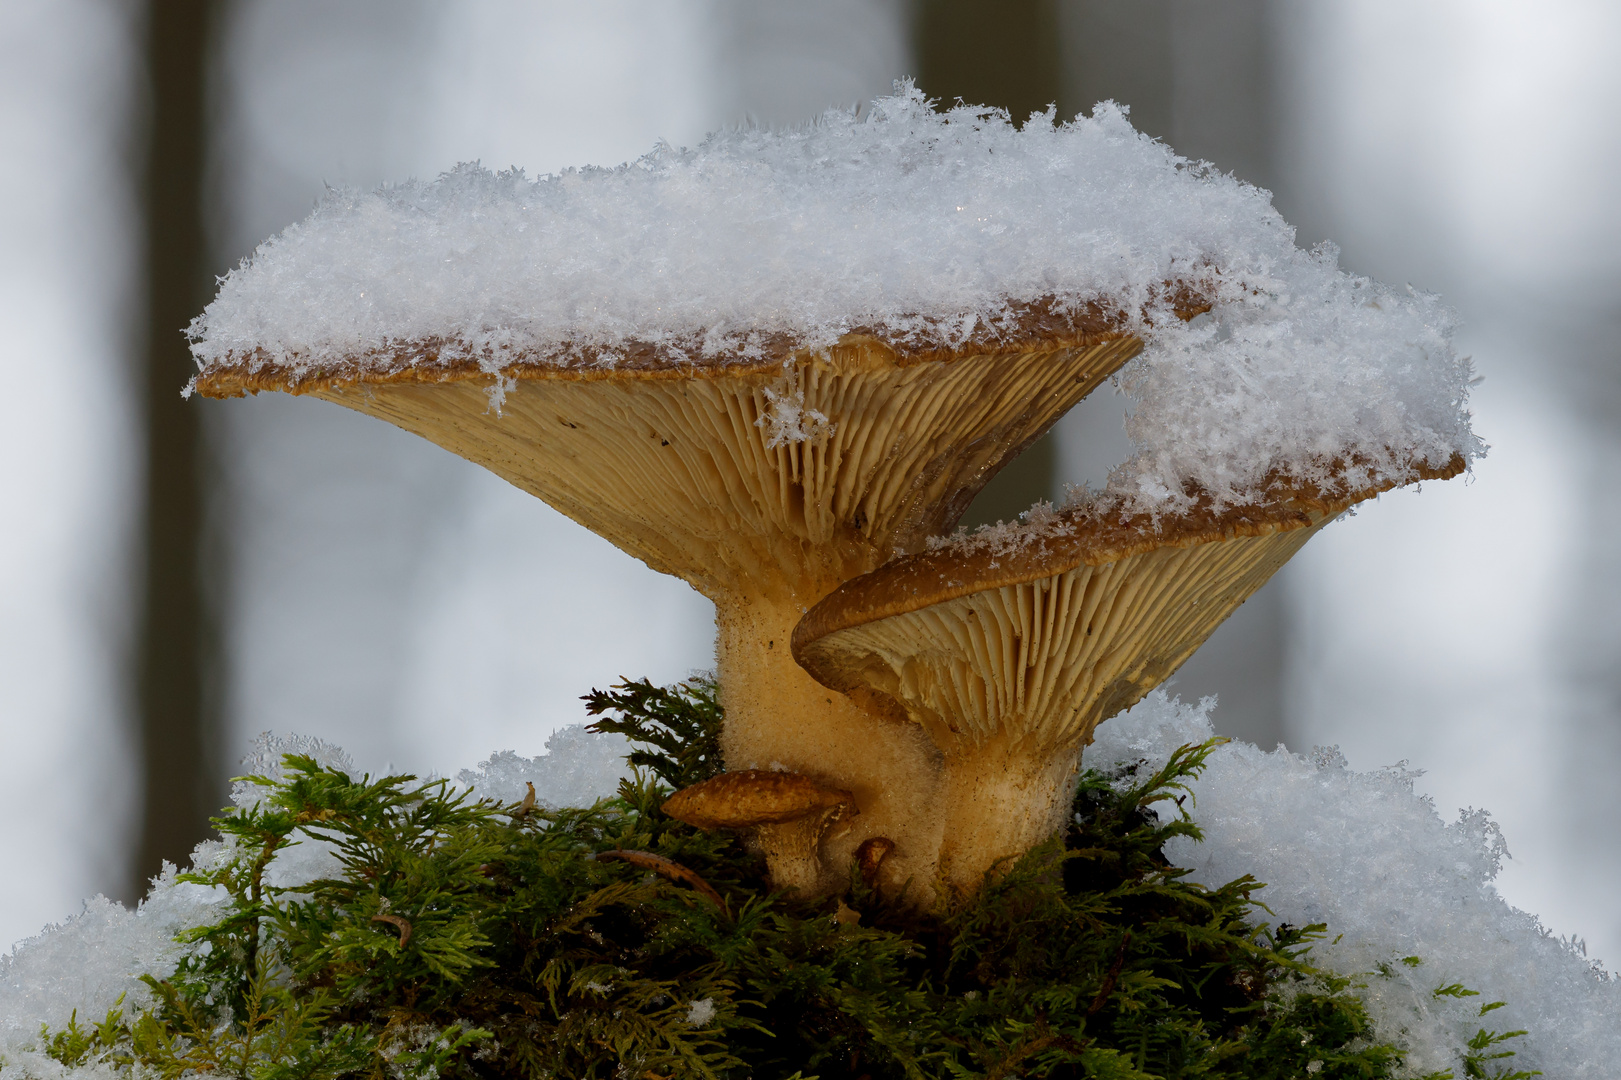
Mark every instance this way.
x=778 y=717
x=999 y=801
x=792 y=856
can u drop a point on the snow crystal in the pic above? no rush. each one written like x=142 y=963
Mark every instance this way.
x=1366 y=855
x=701 y=1012
x=786 y=420
x=1041 y=522
x=930 y=228
x=578 y=768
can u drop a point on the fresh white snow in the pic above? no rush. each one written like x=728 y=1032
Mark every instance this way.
x=577 y=769
x=928 y=227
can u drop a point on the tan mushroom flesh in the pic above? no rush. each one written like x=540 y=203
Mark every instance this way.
x=1010 y=659
x=787 y=815
x=764 y=482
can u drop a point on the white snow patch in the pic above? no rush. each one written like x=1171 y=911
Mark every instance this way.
x=701 y=1012
x=785 y=418
x=927 y=227
x=85 y=963
x=578 y=768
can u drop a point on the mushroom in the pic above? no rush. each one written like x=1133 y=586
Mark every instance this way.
x=787 y=815
x=773 y=363
x=765 y=481
x=870 y=858
x=1010 y=658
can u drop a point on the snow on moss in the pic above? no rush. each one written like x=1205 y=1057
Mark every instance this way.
x=1362 y=852
x=928 y=227
x=577 y=769
x=88 y=962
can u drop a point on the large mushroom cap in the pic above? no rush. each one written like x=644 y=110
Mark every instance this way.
x=799 y=297
x=740 y=473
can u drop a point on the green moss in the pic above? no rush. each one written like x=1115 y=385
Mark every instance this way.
x=466 y=938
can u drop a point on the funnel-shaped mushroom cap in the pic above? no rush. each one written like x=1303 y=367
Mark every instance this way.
x=752 y=474
x=1038 y=641
x=756 y=363
x=1011 y=655
x=788 y=815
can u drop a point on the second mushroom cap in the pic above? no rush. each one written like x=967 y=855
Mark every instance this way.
x=1009 y=656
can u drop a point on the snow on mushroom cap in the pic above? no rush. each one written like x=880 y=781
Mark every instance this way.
x=923 y=227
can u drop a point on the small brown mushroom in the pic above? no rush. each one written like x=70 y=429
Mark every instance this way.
x=1010 y=657
x=788 y=815
x=870 y=858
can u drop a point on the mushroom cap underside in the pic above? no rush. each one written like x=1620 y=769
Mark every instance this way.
x=735 y=477
x=752 y=797
x=1079 y=537
x=1045 y=641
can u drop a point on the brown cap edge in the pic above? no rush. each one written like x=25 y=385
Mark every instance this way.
x=443 y=360
x=913 y=582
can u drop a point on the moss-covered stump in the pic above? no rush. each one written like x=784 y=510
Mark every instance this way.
x=467 y=938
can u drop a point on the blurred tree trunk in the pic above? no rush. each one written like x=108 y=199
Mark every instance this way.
x=173 y=642
x=1005 y=54
x=1200 y=75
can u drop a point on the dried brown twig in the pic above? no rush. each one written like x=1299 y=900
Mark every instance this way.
x=664 y=868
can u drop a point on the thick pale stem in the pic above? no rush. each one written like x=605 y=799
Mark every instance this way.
x=778 y=717
x=1000 y=801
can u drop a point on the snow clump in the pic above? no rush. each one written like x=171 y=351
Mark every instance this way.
x=578 y=768
x=932 y=229
x=701 y=1012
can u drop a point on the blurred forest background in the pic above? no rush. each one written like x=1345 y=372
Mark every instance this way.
x=176 y=577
